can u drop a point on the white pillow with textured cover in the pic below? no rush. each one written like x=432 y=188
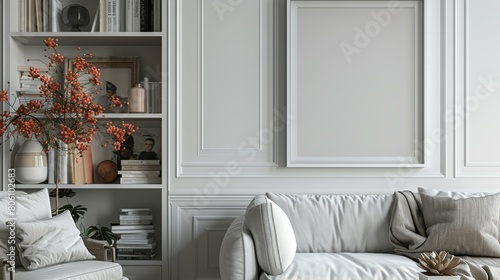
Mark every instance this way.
x=275 y=242
x=51 y=241
x=29 y=207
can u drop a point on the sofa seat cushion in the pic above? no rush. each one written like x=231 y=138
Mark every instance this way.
x=348 y=266
x=80 y=270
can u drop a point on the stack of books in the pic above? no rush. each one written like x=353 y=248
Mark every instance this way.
x=137 y=171
x=29 y=88
x=130 y=15
x=136 y=235
x=153 y=91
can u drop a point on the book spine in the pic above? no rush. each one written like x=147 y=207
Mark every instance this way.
x=145 y=85
x=109 y=15
x=151 y=12
x=136 y=20
x=103 y=15
x=39 y=15
x=157 y=16
x=140 y=162
x=139 y=172
x=129 y=15
x=46 y=15
x=144 y=10
x=120 y=13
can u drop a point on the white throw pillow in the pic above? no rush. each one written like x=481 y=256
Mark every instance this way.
x=51 y=241
x=28 y=208
x=275 y=242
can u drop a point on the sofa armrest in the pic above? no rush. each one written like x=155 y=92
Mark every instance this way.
x=100 y=249
x=5 y=272
x=237 y=259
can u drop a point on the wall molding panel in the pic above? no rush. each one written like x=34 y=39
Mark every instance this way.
x=477 y=153
x=220 y=62
x=198 y=229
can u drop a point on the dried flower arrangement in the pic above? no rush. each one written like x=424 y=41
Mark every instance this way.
x=66 y=112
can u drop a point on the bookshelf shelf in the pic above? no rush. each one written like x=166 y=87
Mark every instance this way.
x=92 y=186
x=140 y=262
x=91 y=38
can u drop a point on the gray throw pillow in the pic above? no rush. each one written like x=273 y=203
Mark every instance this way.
x=466 y=226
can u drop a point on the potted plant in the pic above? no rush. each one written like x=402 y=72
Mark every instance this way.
x=438 y=266
x=96 y=232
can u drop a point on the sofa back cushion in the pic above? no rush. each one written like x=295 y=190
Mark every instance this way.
x=338 y=223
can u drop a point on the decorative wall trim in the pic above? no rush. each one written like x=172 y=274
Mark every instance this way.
x=464 y=165
x=195 y=230
x=194 y=156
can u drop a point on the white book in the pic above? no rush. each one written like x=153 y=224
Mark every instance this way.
x=118 y=227
x=109 y=16
x=133 y=231
x=22 y=16
x=129 y=14
x=140 y=176
x=135 y=217
x=135 y=209
x=46 y=15
x=139 y=172
x=140 y=162
x=135 y=241
x=136 y=19
x=135 y=222
x=136 y=246
x=140 y=167
x=103 y=15
x=156 y=180
x=55 y=11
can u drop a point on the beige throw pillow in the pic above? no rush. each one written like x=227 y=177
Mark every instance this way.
x=466 y=226
x=273 y=235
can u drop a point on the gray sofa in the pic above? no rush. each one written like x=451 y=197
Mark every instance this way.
x=331 y=236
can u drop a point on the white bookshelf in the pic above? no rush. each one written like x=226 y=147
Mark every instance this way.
x=103 y=200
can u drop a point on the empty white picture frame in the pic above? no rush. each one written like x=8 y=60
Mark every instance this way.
x=355 y=87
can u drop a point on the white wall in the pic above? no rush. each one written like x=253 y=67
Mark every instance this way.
x=228 y=136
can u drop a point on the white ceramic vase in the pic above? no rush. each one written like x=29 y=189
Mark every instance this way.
x=30 y=163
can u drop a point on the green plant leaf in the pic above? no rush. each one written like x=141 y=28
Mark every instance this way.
x=63 y=193
x=102 y=233
x=77 y=212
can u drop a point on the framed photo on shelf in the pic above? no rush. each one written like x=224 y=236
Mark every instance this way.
x=147 y=143
x=118 y=75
